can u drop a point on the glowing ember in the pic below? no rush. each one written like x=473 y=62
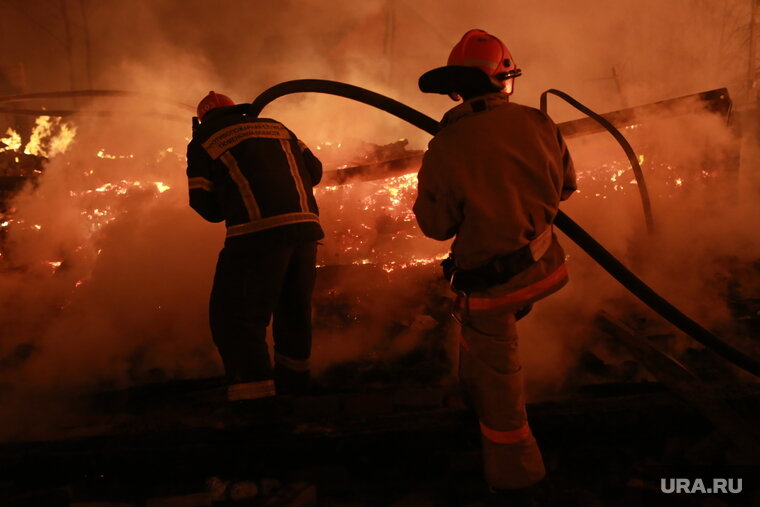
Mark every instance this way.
x=372 y=223
x=102 y=154
x=366 y=222
x=617 y=176
x=423 y=261
x=54 y=265
x=119 y=188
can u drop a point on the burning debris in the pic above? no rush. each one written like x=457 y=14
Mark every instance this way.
x=101 y=196
x=670 y=172
x=96 y=194
x=383 y=337
x=372 y=223
x=372 y=242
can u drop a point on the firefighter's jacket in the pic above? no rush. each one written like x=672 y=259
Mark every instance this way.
x=493 y=177
x=254 y=174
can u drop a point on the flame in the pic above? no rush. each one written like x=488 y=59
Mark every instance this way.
x=60 y=143
x=98 y=204
x=12 y=142
x=50 y=137
x=42 y=129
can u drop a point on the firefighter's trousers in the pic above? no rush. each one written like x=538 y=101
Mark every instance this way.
x=252 y=286
x=491 y=373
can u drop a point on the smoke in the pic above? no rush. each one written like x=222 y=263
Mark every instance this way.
x=128 y=302
x=699 y=245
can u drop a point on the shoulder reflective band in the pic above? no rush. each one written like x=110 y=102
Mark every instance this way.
x=505 y=437
x=234 y=134
x=521 y=295
x=285 y=145
x=251 y=390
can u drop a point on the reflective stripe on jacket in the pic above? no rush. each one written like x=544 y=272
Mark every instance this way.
x=493 y=177
x=253 y=173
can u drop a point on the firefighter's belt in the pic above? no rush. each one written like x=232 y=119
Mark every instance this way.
x=499 y=270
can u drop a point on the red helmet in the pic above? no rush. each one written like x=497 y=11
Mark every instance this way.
x=486 y=52
x=212 y=101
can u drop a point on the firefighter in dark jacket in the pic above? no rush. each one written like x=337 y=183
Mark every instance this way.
x=493 y=178
x=257 y=176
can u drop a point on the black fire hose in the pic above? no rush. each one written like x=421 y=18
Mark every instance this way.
x=645 y=293
x=575 y=232
x=387 y=104
x=637 y=172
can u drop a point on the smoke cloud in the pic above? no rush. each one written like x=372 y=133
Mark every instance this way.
x=111 y=290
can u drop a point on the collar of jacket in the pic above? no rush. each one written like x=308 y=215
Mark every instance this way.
x=214 y=119
x=473 y=106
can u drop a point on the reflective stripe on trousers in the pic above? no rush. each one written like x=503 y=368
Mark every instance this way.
x=301 y=365
x=250 y=390
x=491 y=373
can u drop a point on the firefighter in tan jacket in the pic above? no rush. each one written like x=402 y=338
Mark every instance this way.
x=493 y=178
